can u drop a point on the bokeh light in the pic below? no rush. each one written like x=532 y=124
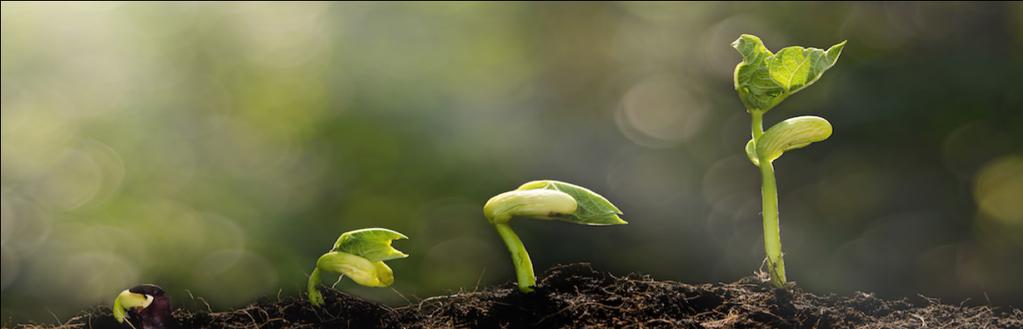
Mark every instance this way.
x=998 y=189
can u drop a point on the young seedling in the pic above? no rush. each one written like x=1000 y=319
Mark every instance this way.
x=763 y=80
x=360 y=255
x=145 y=306
x=545 y=199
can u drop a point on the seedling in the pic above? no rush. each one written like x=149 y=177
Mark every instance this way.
x=763 y=80
x=545 y=199
x=360 y=255
x=147 y=303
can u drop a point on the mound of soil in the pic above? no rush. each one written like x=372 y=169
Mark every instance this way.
x=579 y=296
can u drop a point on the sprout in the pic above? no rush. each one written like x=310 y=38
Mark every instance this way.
x=128 y=300
x=550 y=200
x=360 y=255
x=763 y=80
x=148 y=303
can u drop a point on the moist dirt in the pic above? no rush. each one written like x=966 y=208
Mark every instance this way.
x=578 y=296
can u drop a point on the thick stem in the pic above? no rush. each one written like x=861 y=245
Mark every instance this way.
x=523 y=265
x=772 y=231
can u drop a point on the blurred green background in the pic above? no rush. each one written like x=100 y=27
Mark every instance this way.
x=218 y=149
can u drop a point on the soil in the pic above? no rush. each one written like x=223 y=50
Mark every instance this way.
x=576 y=296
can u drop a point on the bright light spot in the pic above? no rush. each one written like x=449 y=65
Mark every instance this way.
x=998 y=189
x=88 y=277
x=280 y=35
x=71 y=182
x=660 y=112
x=960 y=150
x=25 y=226
x=34 y=137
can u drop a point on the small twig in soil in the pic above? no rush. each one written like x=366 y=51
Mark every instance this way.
x=407 y=301
x=923 y=323
x=478 y=279
x=55 y=318
x=203 y=300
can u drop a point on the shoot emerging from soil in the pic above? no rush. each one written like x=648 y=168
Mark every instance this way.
x=763 y=80
x=359 y=255
x=144 y=306
x=550 y=200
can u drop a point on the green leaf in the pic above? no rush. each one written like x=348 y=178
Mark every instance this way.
x=763 y=80
x=757 y=90
x=592 y=209
x=373 y=244
x=792 y=134
x=795 y=68
x=751 y=48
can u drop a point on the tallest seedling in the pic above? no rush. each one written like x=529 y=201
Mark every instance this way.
x=763 y=80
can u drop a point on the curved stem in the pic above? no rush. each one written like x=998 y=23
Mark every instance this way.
x=314 y=280
x=119 y=313
x=523 y=265
x=772 y=231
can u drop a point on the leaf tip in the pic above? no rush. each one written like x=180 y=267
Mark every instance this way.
x=743 y=38
x=750 y=47
x=836 y=51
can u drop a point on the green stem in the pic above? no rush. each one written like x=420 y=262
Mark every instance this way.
x=315 y=297
x=758 y=125
x=772 y=231
x=523 y=266
x=769 y=198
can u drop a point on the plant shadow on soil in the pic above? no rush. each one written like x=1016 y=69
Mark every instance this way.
x=578 y=296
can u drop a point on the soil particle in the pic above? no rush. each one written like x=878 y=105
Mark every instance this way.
x=577 y=296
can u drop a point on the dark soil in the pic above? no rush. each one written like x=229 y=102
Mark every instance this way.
x=578 y=296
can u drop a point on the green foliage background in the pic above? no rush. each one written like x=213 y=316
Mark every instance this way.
x=219 y=149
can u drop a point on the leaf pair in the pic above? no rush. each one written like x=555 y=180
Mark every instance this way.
x=373 y=244
x=359 y=255
x=549 y=199
x=764 y=79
